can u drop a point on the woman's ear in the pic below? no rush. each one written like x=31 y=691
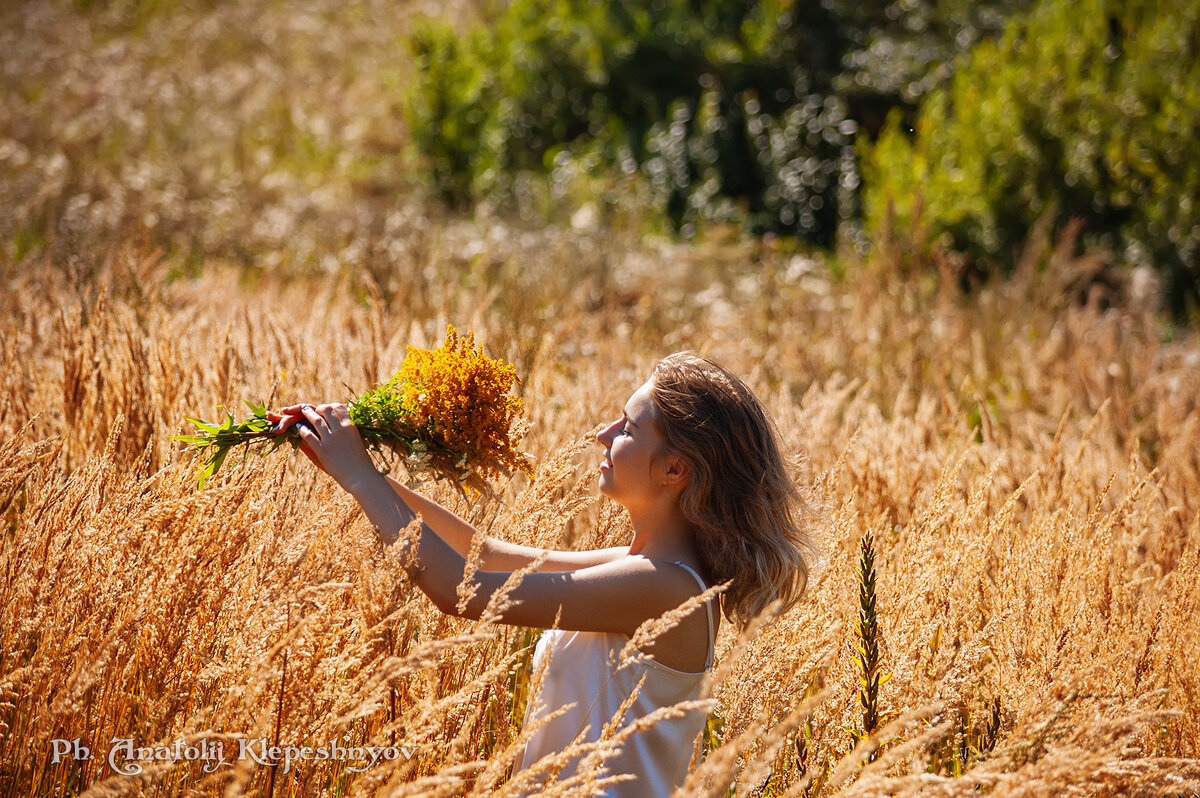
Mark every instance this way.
x=676 y=471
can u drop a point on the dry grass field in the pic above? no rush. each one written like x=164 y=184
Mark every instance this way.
x=1026 y=460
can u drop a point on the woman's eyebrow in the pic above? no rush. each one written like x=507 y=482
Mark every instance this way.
x=628 y=420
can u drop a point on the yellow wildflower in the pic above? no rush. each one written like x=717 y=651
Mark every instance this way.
x=448 y=412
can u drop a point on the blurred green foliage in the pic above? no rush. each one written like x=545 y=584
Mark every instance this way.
x=1087 y=110
x=725 y=110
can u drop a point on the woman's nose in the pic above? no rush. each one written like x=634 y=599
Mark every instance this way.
x=605 y=436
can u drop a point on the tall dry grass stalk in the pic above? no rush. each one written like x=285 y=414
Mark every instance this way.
x=1028 y=458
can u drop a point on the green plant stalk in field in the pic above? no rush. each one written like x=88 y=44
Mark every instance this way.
x=871 y=678
x=256 y=433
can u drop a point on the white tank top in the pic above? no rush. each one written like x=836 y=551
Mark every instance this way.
x=586 y=673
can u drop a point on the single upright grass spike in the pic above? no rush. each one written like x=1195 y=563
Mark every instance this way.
x=871 y=677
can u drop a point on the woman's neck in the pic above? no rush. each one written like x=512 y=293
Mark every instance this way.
x=662 y=533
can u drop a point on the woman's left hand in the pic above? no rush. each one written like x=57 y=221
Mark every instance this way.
x=331 y=440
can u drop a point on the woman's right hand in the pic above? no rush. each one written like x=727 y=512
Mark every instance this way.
x=330 y=439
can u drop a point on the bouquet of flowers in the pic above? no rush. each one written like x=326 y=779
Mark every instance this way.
x=446 y=413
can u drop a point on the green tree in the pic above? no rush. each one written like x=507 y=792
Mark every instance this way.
x=728 y=109
x=1087 y=110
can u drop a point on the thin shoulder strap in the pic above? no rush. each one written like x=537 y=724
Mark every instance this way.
x=707 y=608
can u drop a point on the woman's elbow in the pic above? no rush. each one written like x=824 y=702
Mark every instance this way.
x=447 y=602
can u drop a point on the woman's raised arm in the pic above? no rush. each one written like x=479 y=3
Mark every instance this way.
x=497 y=554
x=612 y=596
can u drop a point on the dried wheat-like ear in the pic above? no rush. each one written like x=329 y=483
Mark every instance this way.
x=590 y=757
x=1096 y=754
x=866 y=747
x=467 y=588
x=724 y=766
x=556 y=494
x=455 y=761
x=651 y=628
x=591 y=773
x=488 y=782
x=500 y=600
x=530 y=771
x=725 y=665
x=393 y=669
x=17 y=462
x=430 y=712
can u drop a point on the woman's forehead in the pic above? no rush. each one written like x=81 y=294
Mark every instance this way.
x=640 y=407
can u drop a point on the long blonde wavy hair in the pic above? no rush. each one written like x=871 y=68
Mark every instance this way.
x=741 y=500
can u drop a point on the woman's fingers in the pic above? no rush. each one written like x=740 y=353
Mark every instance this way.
x=286 y=418
x=336 y=442
x=327 y=417
x=331 y=415
x=315 y=419
x=308 y=421
x=327 y=437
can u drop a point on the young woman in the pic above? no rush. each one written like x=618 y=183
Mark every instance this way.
x=696 y=462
